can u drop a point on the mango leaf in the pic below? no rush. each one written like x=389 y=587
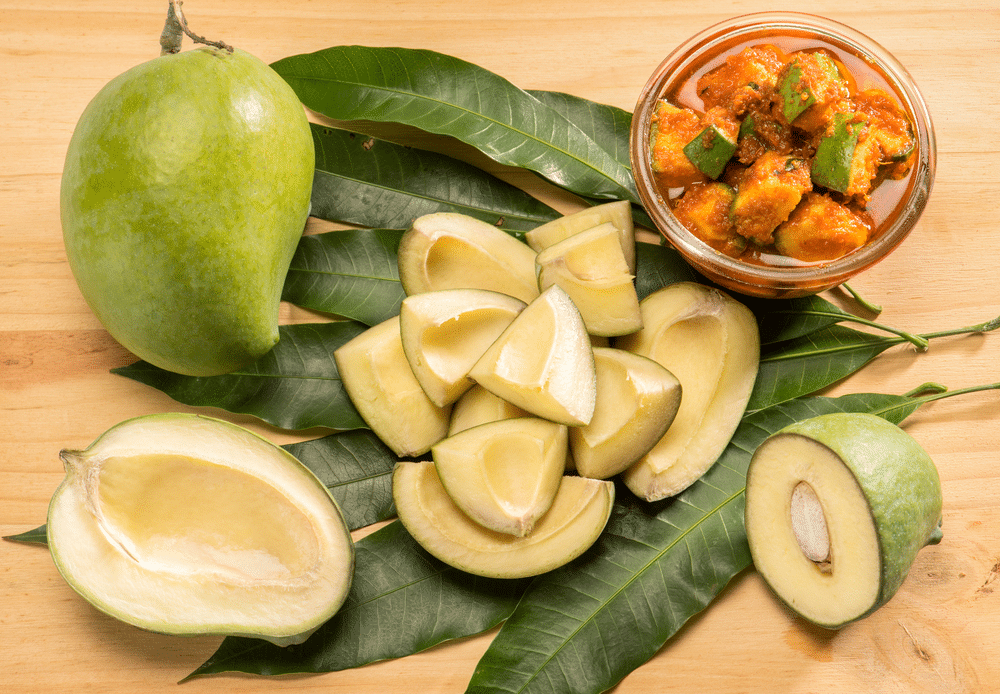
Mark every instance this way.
x=793 y=318
x=656 y=266
x=804 y=365
x=402 y=601
x=351 y=273
x=584 y=627
x=294 y=386
x=37 y=536
x=444 y=95
x=608 y=126
x=374 y=183
x=357 y=469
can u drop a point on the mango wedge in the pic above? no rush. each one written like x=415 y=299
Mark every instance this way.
x=446 y=250
x=710 y=342
x=504 y=474
x=573 y=523
x=381 y=385
x=543 y=362
x=445 y=333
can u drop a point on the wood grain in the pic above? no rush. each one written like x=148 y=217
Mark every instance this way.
x=939 y=634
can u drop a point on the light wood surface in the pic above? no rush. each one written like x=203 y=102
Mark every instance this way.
x=940 y=632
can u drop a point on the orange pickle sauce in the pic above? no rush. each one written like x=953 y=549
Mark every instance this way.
x=889 y=195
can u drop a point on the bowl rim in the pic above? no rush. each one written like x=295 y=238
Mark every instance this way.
x=747 y=276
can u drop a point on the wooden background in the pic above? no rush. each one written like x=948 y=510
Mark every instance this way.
x=941 y=633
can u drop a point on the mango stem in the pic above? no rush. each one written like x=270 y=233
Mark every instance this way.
x=175 y=28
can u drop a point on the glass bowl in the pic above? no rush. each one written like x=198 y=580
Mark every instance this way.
x=791 y=31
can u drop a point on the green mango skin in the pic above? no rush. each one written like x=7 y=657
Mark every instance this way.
x=898 y=478
x=184 y=194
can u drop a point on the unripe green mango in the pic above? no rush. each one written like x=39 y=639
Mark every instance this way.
x=185 y=191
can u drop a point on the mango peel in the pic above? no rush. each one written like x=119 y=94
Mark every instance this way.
x=185 y=190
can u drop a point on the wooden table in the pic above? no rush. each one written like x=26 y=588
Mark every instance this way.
x=939 y=634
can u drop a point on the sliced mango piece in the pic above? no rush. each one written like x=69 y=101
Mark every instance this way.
x=445 y=332
x=618 y=213
x=710 y=151
x=543 y=362
x=381 y=385
x=710 y=342
x=573 y=523
x=447 y=250
x=637 y=399
x=504 y=474
x=479 y=406
x=591 y=268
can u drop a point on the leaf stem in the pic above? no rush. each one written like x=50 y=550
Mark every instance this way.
x=922 y=341
x=986 y=327
x=874 y=308
x=918 y=341
x=936 y=394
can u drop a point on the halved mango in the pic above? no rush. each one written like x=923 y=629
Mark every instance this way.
x=185 y=524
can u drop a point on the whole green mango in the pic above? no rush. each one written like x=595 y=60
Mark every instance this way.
x=185 y=191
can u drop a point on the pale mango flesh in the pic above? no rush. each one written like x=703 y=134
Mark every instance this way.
x=185 y=190
x=842 y=549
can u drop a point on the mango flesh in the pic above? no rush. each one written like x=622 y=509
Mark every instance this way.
x=184 y=524
x=185 y=190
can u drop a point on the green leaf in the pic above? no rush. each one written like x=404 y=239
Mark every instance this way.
x=804 y=365
x=351 y=273
x=584 y=627
x=793 y=318
x=294 y=386
x=402 y=601
x=814 y=361
x=448 y=96
x=656 y=266
x=357 y=468
x=608 y=126
x=374 y=183
x=38 y=535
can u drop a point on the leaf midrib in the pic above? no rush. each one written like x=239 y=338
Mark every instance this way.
x=467 y=111
x=431 y=198
x=635 y=576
